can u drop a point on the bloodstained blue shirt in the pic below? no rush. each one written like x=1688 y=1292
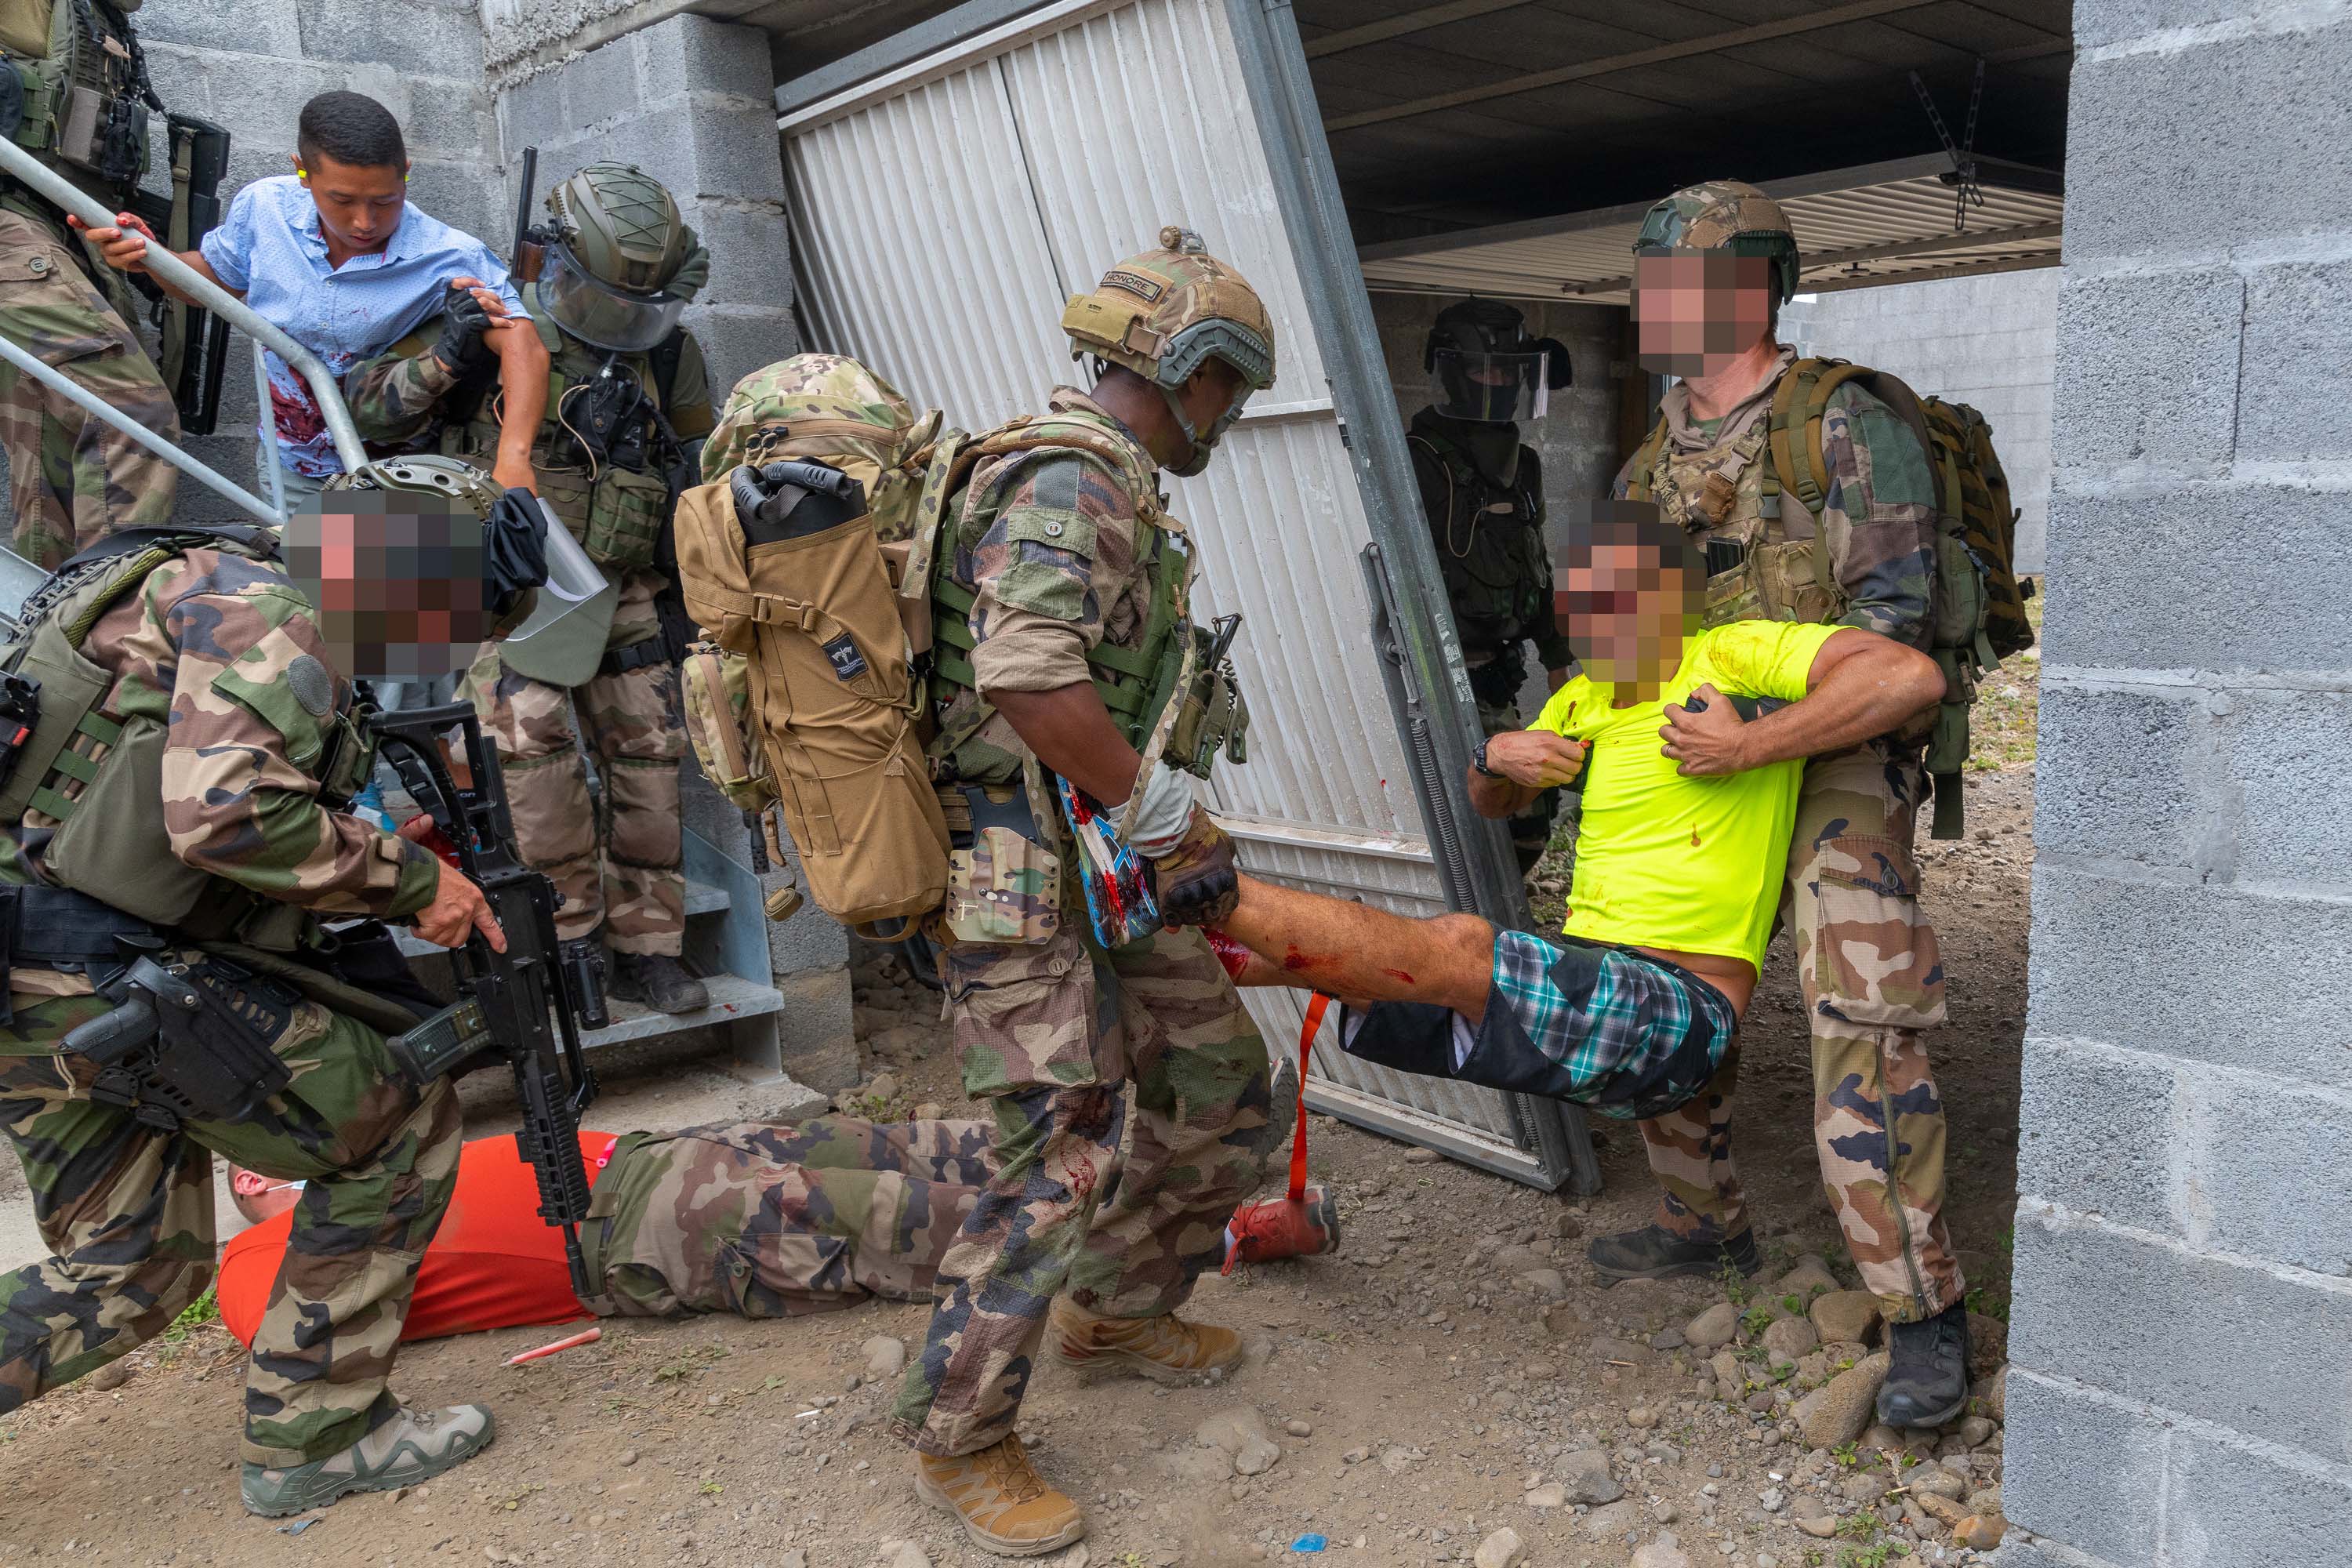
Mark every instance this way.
x=269 y=250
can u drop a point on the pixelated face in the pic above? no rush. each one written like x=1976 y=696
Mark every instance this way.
x=1697 y=310
x=397 y=579
x=1629 y=594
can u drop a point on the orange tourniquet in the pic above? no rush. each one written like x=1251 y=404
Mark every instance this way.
x=494 y=1264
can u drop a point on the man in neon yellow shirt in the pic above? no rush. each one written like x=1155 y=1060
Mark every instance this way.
x=1680 y=855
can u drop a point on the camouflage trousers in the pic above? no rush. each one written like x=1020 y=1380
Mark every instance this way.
x=1062 y=1037
x=1873 y=979
x=71 y=475
x=1494 y=686
x=615 y=861
x=771 y=1222
x=127 y=1211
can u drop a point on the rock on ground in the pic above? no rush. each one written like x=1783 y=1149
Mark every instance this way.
x=1849 y=1315
x=1549 y=1495
x=1240 y=1434
x=885 y=1357
x=1839 y=1411
x=902 y=1554
x=1504 y=1548
x=1994 y=1393
x=1713 y=1328
x=1610 y=1522
x=1586 y=1476
x=1790 y=1338
x=1660 y=1554
x=1810 y=1277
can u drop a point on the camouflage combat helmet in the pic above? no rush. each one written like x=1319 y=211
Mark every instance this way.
x=425 y=474
x=1726 y=215
x=622 y=225
x=1164 y=314
x=834 y=410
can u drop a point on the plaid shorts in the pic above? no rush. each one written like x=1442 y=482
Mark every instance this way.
x=1629 y=1035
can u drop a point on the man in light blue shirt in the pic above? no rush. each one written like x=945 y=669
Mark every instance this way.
x=335 y=256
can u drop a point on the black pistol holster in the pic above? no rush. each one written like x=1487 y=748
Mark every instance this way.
x=187 y=1041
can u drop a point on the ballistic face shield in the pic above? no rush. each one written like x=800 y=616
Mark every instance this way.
x=596 y=312
x=1485 y=368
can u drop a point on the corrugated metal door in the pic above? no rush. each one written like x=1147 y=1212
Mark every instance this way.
x=941 y=217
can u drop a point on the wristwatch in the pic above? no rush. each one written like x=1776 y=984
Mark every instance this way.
x=1478 y=758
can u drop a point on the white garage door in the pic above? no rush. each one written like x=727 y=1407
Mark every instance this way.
x=942 y=213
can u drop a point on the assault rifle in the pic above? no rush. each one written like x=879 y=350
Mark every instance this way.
x=526 y=1003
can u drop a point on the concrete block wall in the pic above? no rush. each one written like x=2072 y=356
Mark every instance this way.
x=2181 y=1339
x=1990 y=340
x=688 y=101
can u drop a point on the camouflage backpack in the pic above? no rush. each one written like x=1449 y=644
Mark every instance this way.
x=1978 y=615
x=806 y=696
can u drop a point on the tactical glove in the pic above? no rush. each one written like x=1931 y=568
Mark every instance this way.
x=465 y=342
x=1197 y=882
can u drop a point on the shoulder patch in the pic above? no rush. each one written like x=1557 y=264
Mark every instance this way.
x=312 y=684
x=1145 y=289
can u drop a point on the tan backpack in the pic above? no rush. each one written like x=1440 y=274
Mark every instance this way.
x=805 y=697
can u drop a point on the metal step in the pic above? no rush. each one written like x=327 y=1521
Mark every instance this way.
x=733 y=999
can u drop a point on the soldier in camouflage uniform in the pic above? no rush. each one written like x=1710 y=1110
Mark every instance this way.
x=71 y=475
x=217 y=682
x=627 y=402
x=1483 y=493
x=1065 y=576
x=1714 y=264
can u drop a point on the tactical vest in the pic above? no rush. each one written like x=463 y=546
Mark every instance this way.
x=1172 y=695
x=93 y=783
x=74 y=91
x=609 y=481
x=1725 y=493
x=1489 y=548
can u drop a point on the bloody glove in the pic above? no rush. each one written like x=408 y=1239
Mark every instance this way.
x=1197 y=880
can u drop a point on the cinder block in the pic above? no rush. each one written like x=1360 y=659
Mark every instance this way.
x=2266 y=1170
x=600 y=85
x=244 y=27
x=2020 y=1549
x=737 y=340
x=2298 y=357
x=750 y=253
x=2120 y=774
x=458 y=194
x=2161 y=581
x=2206 y=973
x=182 y=80
x=2232 y=1343
x=2280 y=744
x=2101 y=22
x=448 y=119
x=2082 y=1470
x=2251 y=117
x=530 y=114
x=695 y=54
x=428 y=40
x=2096 y=1133
x=2148 y=371
x=737 y=155
x=2232 y=1506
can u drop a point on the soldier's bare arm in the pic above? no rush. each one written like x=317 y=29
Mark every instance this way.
x=1860 y=684
x=1361 y=953
x=1073 y=734
x=1878 y=518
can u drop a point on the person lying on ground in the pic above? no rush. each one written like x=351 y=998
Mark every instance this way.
x=1679 y=852
x=753 y=1218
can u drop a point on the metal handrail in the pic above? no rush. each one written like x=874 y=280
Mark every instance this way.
x=167 y=268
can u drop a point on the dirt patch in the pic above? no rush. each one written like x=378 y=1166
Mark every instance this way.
x=1441 y=1394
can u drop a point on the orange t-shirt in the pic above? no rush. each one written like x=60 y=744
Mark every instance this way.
x=494 y=1263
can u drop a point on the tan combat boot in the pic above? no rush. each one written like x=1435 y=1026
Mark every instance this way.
x=1167 y=1350
x=1004 y=1504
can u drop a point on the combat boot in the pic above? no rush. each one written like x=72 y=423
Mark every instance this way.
x=1653 y=1252
x=1165 y=1349
x=413 y=1446
x=1927 y=1369
x=1003 y=1504
x=658 y=981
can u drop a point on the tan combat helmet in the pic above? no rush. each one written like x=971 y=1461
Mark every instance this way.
x=1164 y=313
x=1726 y=215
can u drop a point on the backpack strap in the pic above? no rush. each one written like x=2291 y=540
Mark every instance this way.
x=663 y=361
x=1641 y=474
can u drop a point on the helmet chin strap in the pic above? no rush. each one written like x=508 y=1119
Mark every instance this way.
x=1197 y=458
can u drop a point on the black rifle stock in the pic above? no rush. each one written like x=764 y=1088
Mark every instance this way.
x=524 y=1004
